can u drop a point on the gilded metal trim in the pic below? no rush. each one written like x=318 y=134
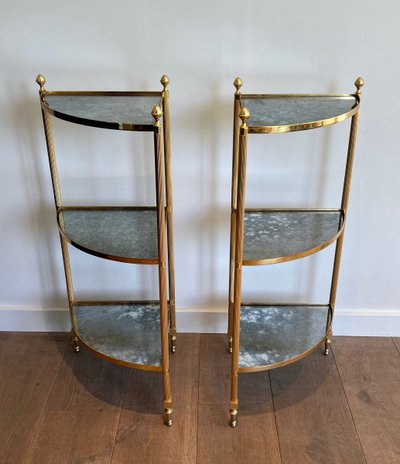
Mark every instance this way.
x=95 y=123
x=302 y=126
x=168 y=208
x=164 y=213
x=235 y=160
x=237 y=222
x=86 y=93
x=159 y=165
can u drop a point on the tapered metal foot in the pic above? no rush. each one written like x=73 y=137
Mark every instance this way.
x=233 y=422
x=168 y=417
x=76 y=346
x=230 y=344
x=327 y=346
x=173 y=343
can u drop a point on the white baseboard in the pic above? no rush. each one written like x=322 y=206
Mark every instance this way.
x=359 y=322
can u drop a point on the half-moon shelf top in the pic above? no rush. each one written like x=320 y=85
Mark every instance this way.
x=119 y=111
x=119 y=234
x=287 y=113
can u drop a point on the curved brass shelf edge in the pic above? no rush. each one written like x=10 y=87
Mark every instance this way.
x=303 y=254
x=256 y=96
x=103 y=93
x=296 y=358
x=99 y=254
x=304 y=126
x=100 y=355
x=99 y=124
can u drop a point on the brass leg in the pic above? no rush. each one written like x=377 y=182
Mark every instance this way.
x=161 y=239
x=168 y=193
x=75 y=342
x=233 y=422
x=328 y=341
x=168 y=417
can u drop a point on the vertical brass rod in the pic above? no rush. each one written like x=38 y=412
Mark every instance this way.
x=58 y=203
x=235 y=157
x=68 y=278
x=48 y=132
x=345 y=200
x=169 y=209
x=234 y=403
x=160 y=200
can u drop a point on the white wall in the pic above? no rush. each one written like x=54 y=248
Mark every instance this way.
x=289 y=46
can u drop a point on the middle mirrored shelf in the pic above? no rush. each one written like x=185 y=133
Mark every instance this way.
x=273 y=236
x=127 y=234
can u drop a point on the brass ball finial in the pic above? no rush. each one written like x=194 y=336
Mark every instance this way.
x=244 y=116
x=156 y=113
x=164 y=81
x=359 y=83
x=238 y=83
x=40 y=80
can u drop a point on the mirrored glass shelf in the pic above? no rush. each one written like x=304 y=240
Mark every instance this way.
x=113 y=111
x=273 y=236
x=272 y=113
x=271 y=336
x=127 y=333
x=120 y=234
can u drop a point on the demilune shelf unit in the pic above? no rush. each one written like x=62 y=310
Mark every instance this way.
x=266 y=336
x=136 y=334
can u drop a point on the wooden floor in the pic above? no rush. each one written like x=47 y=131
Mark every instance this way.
x=59 y=407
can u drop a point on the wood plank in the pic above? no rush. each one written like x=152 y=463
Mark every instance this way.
x=142 y=436
x=28 y=368
x=81 y=417
x=396 y=341
x=75 y=437
x=255 y=437
x=86 y=382
x=370 y=371
x=312 y=415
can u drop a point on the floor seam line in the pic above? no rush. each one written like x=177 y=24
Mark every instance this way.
x=275 y=420
x=119 y=417
x=45 y=405
x=348 y=404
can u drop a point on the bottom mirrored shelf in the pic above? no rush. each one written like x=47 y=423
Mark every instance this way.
x=272 y=336
x=125 y=333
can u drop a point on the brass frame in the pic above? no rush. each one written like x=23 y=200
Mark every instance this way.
x=241 y=129
x=163 y=209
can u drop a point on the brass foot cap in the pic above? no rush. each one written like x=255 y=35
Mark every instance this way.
x=173 y=343
x=233 y=422
x=168 y=417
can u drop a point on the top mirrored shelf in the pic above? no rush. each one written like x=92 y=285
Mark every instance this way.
x=286 y=113
x=117 y=110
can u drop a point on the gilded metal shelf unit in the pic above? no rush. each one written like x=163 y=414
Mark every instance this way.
x=136 y=334
x=267 y=336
